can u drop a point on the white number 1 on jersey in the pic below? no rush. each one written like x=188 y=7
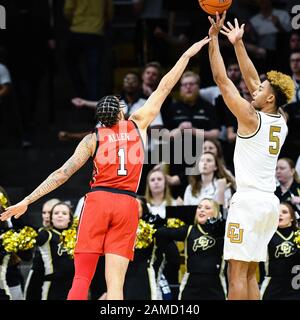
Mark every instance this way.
x=122 y=171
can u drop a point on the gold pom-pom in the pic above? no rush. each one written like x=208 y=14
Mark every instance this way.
x=297 y=238
x=68 y=238
x=27 y=237
x=175 y=223
x=3 y=200
x=10 y=241
x=144 y=235
x=282 y=82
x=13 y=241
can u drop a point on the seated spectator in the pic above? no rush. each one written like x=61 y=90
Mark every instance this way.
x=268 y=24
x=288 y=189
x=291 y=146
x=151 y=76
x=131 y=97
x=212 y=93
x=295 y=41
x=192 y=111
x=206 y=183
x=295 y=67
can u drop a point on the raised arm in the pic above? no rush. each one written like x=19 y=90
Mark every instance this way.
x=235 y=35
x=145 y=115
x=242 y=109
x=82 y=153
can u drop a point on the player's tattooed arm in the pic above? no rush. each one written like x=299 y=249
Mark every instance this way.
x=82 y=153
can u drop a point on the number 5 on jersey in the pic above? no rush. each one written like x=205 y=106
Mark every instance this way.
x=273 y=137
x=122 y=171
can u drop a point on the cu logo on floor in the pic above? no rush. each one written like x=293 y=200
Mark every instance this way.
x=235 y=233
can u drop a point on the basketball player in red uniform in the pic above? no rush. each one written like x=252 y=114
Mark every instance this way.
x=109 y=218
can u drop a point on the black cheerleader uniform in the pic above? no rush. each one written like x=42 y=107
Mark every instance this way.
x=283 y=255
x=204 y=279
x=58 y=265
x=140 y=280
x=35 y=278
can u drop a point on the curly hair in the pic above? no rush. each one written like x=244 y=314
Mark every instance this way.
x=283 y=86
x=108 y=111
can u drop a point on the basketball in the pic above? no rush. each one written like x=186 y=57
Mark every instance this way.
x=211 y=6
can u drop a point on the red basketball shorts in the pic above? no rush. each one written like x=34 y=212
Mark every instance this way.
x=108 y=224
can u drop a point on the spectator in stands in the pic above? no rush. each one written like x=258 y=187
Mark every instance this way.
x=214 y=146
x=206 y=183
x=131 y=97
x=292 y=110
x=234 y=74
x=295 y=41
x=288 y=189
x=35 y=278
x=295 y=67
x=269 y=24
x=150 y=15
x=192 y=111
x=151 y=76
x=88 y=22
x=30 y=40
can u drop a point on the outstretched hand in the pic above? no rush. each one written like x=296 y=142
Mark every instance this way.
x=233 y=33
x=196 y=47
x=217 y=25
x=14 y=211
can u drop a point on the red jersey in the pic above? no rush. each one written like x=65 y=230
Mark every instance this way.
x=119 y=157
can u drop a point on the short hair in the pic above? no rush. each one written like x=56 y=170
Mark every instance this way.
x=51 y=202
x=108 y=110
x=191 y=74
x=283 y=86
x=154 y=64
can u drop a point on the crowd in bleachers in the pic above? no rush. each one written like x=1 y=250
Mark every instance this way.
x=181 y=259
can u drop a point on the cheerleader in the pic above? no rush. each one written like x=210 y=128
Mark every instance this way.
x=58 y=260
x=140 y=281
x=204 y=279
x=283 y=255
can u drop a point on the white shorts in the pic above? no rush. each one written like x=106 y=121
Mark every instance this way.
x=252 y=220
